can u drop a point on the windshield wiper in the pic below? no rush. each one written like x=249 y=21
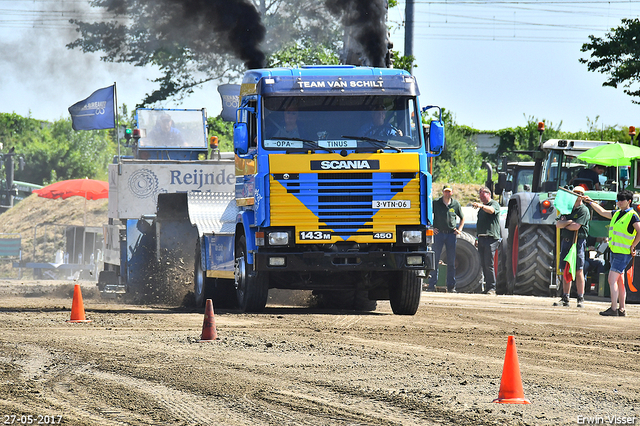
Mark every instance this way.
x=381 y=144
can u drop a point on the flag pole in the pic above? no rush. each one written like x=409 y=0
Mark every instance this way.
x=115 y=103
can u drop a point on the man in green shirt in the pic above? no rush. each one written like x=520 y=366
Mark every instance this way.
x=446 y=210
x=489 y=236
x=575 y=222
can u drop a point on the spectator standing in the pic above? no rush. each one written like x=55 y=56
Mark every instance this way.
x=574 y=228
x=489 y=236
x=446 y=210
x=624 y=236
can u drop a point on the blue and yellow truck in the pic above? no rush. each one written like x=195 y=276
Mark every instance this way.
x=332 y=191
x=328 y=190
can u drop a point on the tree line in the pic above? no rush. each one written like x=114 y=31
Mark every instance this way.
x=53 y=151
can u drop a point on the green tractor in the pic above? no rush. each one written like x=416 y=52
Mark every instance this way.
x=529 y=263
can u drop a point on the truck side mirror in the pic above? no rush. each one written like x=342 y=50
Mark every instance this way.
x=240 y=138
x=436 y=136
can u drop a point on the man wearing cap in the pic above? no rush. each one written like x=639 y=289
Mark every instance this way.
x=445 y=210
x=575 y=222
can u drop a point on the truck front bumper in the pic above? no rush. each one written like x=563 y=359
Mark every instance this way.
x=344 y=261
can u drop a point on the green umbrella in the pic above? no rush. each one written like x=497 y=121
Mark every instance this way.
x=611 y=154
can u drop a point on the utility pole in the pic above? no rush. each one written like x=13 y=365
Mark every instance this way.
x=408 y=29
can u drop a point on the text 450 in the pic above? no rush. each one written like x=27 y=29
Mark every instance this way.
x=383 y=236
x=315 y=235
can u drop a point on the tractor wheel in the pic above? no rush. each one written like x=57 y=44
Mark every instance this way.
x=252 y=287
x=404 y=296
x=530 y=257
x=468 y=268
x=503 y=285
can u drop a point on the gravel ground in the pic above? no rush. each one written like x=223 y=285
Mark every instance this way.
x=295 y=365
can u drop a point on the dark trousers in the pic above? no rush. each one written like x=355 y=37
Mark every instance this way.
x=487 y=247
x=449 y=242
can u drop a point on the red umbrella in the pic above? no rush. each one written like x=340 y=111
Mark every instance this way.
x=90 y=189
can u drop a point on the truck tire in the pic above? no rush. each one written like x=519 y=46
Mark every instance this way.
x=404 y=296
x=202 y=286
x=468 y=267
x=530 y=257
x=220 y=290
x=252 y=288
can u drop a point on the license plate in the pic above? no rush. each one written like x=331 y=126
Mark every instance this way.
x=391 y=204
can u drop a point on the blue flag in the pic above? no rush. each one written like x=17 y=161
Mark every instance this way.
x=95 y=112
x=230 y=100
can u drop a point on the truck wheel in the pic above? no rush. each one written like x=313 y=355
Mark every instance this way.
x=202 y=286
x=404 y=296
x=252 y=288
x=530 y=257
x=468 y=268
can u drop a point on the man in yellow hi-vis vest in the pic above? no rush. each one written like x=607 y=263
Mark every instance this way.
x=624 y=235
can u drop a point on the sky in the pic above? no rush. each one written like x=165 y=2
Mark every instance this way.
x=493 y=64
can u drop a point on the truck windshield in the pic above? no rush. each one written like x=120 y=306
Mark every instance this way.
x=171 y=128
x=340 y=122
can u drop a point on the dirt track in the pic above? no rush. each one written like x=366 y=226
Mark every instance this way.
x=141 y=365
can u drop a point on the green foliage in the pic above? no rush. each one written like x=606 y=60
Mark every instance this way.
x=617 y=55
x=459 y=162
x=223 y=130
x=598 y=132
x=54 y=151
x=304 y=52
x=527 y=138
x=406 y=63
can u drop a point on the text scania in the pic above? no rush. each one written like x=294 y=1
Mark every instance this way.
x=340 y=84
x=346 y=165
x=198 y=178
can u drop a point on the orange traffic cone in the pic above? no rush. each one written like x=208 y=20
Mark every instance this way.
x=209 y=332
x=77 y=307
x=511 y=384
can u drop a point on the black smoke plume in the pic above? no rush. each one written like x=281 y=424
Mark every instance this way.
x=367 y=19
x=235 y=23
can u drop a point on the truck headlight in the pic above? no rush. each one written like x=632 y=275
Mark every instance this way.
x=412 y=237
x=278 y=238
